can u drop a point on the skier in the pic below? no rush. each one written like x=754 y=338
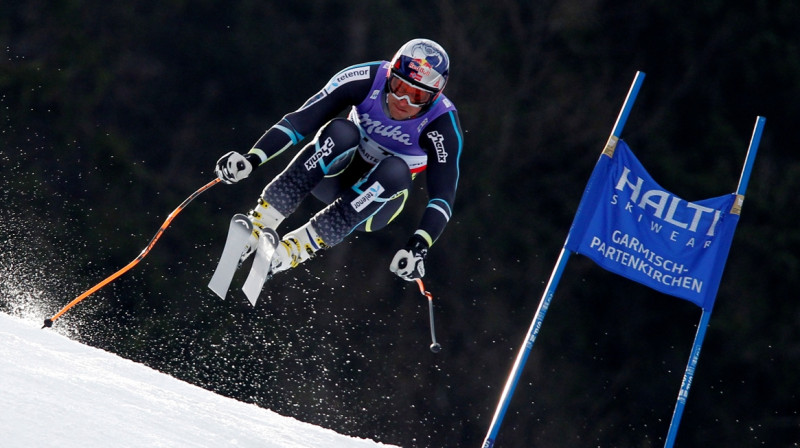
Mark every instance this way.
x=399 y=124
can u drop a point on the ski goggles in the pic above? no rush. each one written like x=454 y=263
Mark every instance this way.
x=415 y=96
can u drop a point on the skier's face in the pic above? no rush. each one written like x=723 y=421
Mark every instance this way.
x=399 y=109
x=414 y=95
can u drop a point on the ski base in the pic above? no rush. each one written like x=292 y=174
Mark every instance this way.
x=238 y=234
x=260 y=271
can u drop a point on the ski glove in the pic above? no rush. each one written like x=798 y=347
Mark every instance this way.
x=409 y=263
x=233 y=167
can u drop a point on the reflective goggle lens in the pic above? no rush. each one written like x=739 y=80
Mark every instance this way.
x=415 y=96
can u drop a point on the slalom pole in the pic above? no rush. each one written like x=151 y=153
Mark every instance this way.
x=49 y=322
x=435 y=346
x=552 y=284
x=694 y=356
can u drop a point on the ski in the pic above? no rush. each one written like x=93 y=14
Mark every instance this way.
x=238 y=234
x=259 y=272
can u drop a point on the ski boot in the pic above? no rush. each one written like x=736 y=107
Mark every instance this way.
x=296 y=247
x=262 y=216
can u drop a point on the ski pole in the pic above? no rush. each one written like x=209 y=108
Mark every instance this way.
x=435 y=347
x=112 y=277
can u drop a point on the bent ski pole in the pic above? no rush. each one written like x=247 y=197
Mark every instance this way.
x=435 y=347
x=112 y=277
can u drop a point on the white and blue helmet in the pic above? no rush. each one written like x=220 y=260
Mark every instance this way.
x=422 y=63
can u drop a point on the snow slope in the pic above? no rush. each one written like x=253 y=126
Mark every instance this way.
x=57 y=392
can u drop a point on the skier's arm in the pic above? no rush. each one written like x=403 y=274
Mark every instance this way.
x=443 y=142
x=347 y=88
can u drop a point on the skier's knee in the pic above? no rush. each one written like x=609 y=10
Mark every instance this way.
x=393 y=174
x=343 y=134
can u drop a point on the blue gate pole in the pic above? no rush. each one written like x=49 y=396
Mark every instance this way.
x=552 y=284
x=694 y=356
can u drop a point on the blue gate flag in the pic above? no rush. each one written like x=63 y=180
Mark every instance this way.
x=631 y=226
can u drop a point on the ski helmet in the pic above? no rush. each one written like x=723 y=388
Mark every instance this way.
x=422 y=63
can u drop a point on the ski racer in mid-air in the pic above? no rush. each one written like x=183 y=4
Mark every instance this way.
x=399 y=124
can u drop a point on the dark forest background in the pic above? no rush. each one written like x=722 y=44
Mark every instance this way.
x=111 y=113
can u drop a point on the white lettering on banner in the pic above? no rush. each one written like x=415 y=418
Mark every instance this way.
x=633 y=243
x=323 y=151
x=656 y=227
x=642 y=260
x=376 y=127
x=367 y=197
x=662 y=201
x=438 y=143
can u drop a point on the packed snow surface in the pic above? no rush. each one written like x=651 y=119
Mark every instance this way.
x=57 y=392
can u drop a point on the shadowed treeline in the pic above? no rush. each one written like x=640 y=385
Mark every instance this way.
x=112 y=113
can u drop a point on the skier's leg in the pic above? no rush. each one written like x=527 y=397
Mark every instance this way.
x=381 y=192
x=329 y=152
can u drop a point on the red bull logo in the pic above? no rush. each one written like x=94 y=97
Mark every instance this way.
x=422 y=68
